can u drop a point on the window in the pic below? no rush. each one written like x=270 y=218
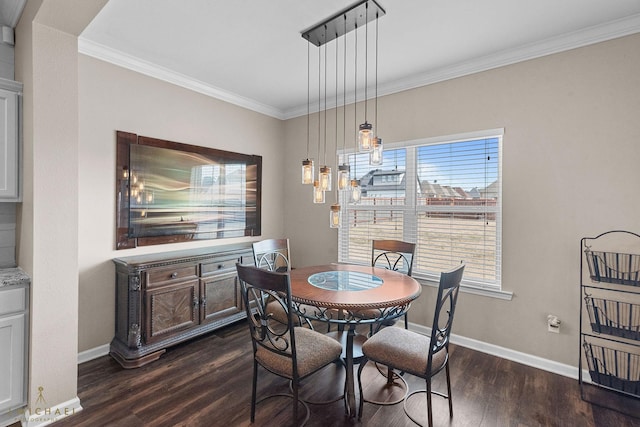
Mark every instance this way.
x=444 y=194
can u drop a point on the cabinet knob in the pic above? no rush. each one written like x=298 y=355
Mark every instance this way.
x=174 y=274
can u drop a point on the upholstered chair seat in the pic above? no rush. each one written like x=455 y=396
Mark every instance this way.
x=402 y=349
x=314 y=350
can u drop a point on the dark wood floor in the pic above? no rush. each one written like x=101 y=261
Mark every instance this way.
x=207 y=382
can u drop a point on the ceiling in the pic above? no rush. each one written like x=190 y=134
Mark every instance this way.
x=251 y=53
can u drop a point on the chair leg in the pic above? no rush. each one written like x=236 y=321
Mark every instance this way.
x=361 y=406
x=429 y=416
x=253 y=391
x=406 y=321
x=449 y=391
x=296 y=383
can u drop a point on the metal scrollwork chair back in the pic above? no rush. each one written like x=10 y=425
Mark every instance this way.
x=272 y=255
x=393 y=255
x=283 y=349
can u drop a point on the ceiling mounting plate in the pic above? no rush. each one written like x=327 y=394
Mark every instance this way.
x=344 y=21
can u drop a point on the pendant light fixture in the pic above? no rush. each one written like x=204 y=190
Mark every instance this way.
x=365 y=130
x=334 y=216
x=344 y=169
x=325 y=171
x=335 y=211
x=318 y=194
x=354 y=187
x=307 y=164
x=375 y=157
x=338 y=25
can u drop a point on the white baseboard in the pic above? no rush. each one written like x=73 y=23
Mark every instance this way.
x=44 y=416
x=93 y=353
x=506 y=353
x=494 y=350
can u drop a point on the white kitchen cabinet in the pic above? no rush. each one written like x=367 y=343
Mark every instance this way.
x=13 y=346
x=10 y=147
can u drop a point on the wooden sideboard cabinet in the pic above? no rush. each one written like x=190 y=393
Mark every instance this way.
x=164 y=299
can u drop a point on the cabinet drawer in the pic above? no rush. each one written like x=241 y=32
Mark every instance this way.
x=218 y=266
x=13 y=300
x=176 y=273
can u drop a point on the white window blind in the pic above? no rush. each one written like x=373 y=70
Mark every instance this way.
x=442 y=194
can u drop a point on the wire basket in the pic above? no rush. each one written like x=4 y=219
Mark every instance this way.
x=612 y=317
x=613 y=368
x=613 y=267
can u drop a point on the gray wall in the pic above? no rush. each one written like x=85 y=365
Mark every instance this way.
x=570 y=169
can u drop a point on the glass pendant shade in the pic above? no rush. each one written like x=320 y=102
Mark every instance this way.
x=325 y=178
x=375 y=157
x=343 y=177
x=307 y=171
x=355 y=191
x=365 y=137
x=318 y=194
x=334 y=216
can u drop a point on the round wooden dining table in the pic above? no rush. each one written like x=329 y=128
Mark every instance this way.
x=350 y=295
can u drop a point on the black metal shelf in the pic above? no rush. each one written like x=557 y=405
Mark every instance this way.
x=610 y=321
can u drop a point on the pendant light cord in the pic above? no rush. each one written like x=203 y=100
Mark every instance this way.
x=336 y=121
x=355 y=102
x=308 y=96
x=319 y=100
x=325 y=103
x=366 y=58
x=344 y=94
x=376 y=103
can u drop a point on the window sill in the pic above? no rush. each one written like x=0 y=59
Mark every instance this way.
x=485 y=292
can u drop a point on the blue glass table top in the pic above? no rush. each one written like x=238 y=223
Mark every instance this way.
x=344 y=281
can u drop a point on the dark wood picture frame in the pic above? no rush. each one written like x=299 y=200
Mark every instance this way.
x=154 y=225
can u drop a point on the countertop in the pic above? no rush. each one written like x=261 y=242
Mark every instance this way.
x=13 y=277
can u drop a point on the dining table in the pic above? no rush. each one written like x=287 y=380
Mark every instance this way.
x=348 y=295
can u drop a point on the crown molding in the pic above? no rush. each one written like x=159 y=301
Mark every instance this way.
x=592 y=35
x=121 y=59
x=596 y=34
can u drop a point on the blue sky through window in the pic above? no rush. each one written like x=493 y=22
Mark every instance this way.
x=465 y=164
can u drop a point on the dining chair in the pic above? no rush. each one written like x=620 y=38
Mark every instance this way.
x=417 y=354
x=274 y=255
x=393 y=255
x=286 y=350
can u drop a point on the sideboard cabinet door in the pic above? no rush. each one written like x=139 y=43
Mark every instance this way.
x=221 y=297
x=171 y=309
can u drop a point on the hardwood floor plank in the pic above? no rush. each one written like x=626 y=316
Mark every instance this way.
x=207 y=382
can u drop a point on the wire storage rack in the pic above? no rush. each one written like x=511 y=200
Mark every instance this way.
x=610 y=320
